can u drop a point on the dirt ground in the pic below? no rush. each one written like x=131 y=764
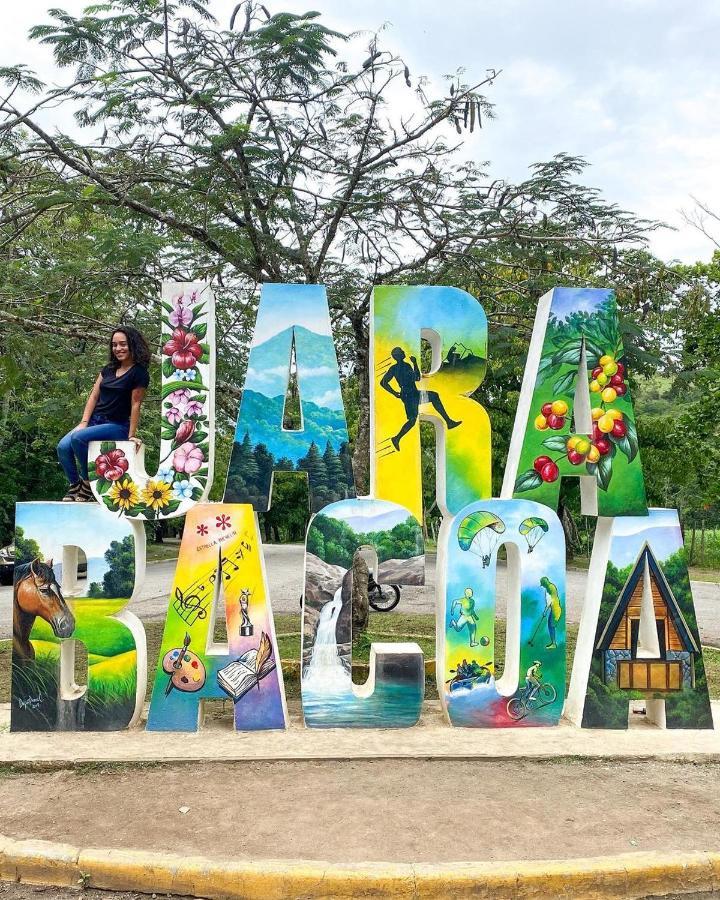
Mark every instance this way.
x=374 y=810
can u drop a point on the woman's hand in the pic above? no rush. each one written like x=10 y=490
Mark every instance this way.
x=138 y=443
x=80 y=425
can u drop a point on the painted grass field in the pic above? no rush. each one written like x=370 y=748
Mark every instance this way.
x=109 y=648
x=418 y=628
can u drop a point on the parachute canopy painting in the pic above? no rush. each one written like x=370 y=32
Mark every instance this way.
x=480 y=533
x=533 y=529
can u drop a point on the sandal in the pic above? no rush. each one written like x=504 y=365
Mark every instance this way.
x=71 y=495
x=84 y=493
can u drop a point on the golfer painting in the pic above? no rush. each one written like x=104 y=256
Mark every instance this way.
x=406 y=377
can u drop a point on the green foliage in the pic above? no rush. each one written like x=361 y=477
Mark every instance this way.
x=336 y=542
x=26 y=549
x=119 y=580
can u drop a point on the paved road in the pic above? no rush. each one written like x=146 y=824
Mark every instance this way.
x=284 y=565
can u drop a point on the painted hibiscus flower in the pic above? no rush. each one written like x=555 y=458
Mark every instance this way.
x=188 y=458
x=183 y=349
x=111 y=465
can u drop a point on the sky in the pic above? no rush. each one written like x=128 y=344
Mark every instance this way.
x=661 y=530
x=631 y=85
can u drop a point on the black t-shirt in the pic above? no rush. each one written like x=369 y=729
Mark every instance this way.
x=116 y=393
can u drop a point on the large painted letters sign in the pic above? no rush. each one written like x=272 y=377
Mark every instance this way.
x=220 y=558
x=393 y=694
x=532 y=688
x=455 y=325
x=575 y=414
x=292 y=318
x=52 y=610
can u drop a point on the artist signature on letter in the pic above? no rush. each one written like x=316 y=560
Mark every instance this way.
x=30 y=703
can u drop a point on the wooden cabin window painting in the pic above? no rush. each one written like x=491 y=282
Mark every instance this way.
x=625 y=665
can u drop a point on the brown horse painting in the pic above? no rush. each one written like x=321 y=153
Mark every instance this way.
x=37 y=593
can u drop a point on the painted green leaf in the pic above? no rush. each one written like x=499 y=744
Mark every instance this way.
x=557 y=442
x=632 y=439
x=571 y=354
x=565 y=383
x=200 y=330
x=102 y=484
x=528 y=481
x=107 y=446
x=604 y=472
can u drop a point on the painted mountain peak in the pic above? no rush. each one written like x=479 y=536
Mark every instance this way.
x=318 y=379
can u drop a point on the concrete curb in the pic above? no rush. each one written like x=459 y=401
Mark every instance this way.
x=624 y=876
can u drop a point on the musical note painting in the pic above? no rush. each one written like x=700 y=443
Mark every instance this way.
x=220 y=575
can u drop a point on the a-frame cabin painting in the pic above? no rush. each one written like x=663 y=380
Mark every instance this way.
x=646 y=644
x=625 y=665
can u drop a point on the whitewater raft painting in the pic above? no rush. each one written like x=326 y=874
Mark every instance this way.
x=54 y=612
x=293 y=323
x=647 y=644
x=532 y=687
x=220 y=571
x=403 y=392
x=393 y=695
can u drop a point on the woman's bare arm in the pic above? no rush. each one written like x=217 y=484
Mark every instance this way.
x=138 y=395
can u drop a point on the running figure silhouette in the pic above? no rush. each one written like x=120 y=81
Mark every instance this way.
x=406 y=377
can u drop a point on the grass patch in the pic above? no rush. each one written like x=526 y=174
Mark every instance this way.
x=159 y=552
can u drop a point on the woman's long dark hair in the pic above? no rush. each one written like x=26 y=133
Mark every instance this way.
x=137 y=345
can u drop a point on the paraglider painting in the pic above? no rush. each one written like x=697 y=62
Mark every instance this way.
x=480 y=534
x=533 y=529
x=531 y=690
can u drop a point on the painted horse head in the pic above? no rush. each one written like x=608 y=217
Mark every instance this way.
x=37 y=593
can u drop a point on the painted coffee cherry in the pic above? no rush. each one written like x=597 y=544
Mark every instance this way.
x=609 y=395
x=605 y=424
x=604 y=360
x=614 y=414
x=602 y=379
x=596 y=433
x=593 y=454
x=583 y=446
x=540 y=463
x=556 y=422
x=621 y=370
x=621 y=390
x=549 y=472
x=616 y=380
x=597 y=412
x=603 y=446
x=541 y=423
x=575 y=457
x=619 y=429
x=559 y=407
x=610 y=368
x=546 y=409
x=595 y=386
x=597 y=371
x=572 y=442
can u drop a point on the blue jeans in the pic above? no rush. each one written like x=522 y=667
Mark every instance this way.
x=72 y=450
